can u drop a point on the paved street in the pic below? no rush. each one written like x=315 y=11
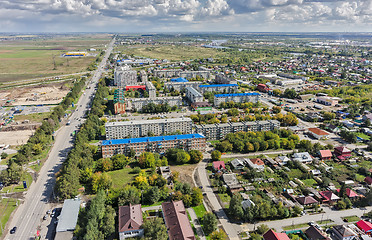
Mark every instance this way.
x=334 y=215
x=231 y=229
x=29 y=215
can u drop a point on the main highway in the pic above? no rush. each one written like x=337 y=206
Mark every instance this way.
x=27 y=218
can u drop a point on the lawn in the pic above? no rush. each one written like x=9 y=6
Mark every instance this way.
x=324 y=221
x=34 y=117
x=351 y=218
x=200 y=210
x=295 y=226
x=19 y=188
x=362 y=135
x=225 y=198
x=7 y=206
x=295 y=173
x=309 y=182
x=121 y=177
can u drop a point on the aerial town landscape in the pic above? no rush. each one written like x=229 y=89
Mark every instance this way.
x=186 y=135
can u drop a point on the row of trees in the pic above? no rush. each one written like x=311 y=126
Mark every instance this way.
x=158 y=108
x=180 y=156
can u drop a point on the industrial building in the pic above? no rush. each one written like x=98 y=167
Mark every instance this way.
x=159 y=144
x=119 y=102
x=193 y=95
x=328 y=101
x=236 y=97
x=286 y=82
x=179 y=86
x=141 y=128
x=225 y=88
x=125 y=76
x=68 y=218
x=220 y=130
x=136 y=104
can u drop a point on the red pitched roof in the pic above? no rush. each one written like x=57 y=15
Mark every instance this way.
x=368 y=180
x=350 y=193
x=306 y=200
x=218 y=165
x=325 y=153
x=257 y=161
x=318 y=131
x=329 y=195
x=342 y=149
x=130 y=217
x=177 y=222
x=365 y=226
x=271 y=235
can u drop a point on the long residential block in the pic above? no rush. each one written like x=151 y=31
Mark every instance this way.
x=142 y=128
x=180 y=85
x=125 y=76
x=138 y=103
x=193 y=95
x=227 y=88
x=219 y=131
x=236 y=97
x=159 y=144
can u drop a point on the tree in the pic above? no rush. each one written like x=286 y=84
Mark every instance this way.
x=216 y=155
x=108 y=226
x=296 y=210
x=218 y=235
x=197 y=196
x=152 y=195
x=209 y=222
x=195 y=156
x=182 y=157
x=261 y=229
x=235 y=208
x=341 y=205
x=290 y=93
x=129 y=195
x=154 y=229
x=4 y=155
x=255 y=236
x=146 y=160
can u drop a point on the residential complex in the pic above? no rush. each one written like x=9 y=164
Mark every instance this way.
x=119 y=101
x=193 y=74
x=179 y=86
x=153 y=144
x=143 y=76
x=219 y=131
x=125 y=76
x=176 y=220
x=169 y=73
x=236 y=97
x=193 y=95
x=138 y=103
x=223 y=79
x=226 y=88
x=150 y=88
x=141 y=128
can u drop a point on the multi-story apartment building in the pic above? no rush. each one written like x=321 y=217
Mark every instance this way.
x=143 y=76
x=223 y=79
x=236 y=97
x=194 y=74
x=125 y=76
x=119 y=101
x=141 y=128
x=193 y=95
x=150 y=88
x=138 y=103
x=226 y=88
x=181 y=85
x=167 y=73
x=159 y=144
x=219 y=131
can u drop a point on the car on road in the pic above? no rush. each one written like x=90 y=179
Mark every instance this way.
x=13 y=230
x=45 y=217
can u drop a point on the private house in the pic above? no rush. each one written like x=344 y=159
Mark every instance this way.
x=237 y=164
x=130 y=221
x=329 y=197
x=365 y=226
x=303 y=157
x=231 y=182
x=350 y=193
x=314 y=233
x=325 y=154
x=307 y=200
x=342 y=153
x=342 y=232
x=282 y=160
x=318 y=133
x=271 y=235
x=368 y=180
x=176 y=220
x=218 y=165
x=255 y=163
x=247 y=204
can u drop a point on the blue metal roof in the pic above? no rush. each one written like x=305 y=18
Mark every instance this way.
x=220 y=85
x=151 y=139
x=237 y=94
x=180 y=79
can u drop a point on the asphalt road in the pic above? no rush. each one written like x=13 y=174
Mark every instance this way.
x=29 y=215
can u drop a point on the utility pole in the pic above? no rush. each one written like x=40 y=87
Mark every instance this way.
x=54 y=62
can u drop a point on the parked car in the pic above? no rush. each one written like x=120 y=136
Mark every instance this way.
x=13 y=230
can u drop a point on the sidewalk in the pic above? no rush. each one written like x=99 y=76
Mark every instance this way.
x=195 y=221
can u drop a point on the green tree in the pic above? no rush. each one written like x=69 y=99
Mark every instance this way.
x=341 y=205
x=218 y=235
x=108 y=226
x=209 y=222
x=261 y=229
x=182 y=157
x=197 y=196
x=129 y=195
x=195 y=156
x=154 y=229
x=146 y=160
x=216 y=155
x=235 y=208
x=152 y=195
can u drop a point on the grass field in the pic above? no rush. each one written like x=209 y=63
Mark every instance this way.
x=34 y=117
x=351 y=218
x=7 y=206
x=200 y=211
x=324 y=221
x=19 y=188
x=296 y=226
x=171 y=52
x=121 y=177
x=32 y=59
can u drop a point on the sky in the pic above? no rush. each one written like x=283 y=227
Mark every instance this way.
x=185 y=16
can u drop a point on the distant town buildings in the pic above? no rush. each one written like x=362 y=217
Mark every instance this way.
x=236 y=97
x=143 y=76
x=169 y=73
x=220 y=130
x=153 y=144
x=141 y=128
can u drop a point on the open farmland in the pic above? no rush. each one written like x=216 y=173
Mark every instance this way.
x=27 y=59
